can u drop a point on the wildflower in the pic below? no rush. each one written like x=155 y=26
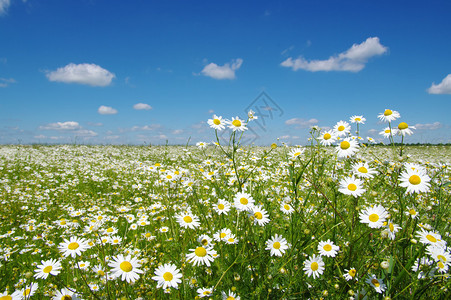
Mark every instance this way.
x=229 y=296
x=237 y=124
x=295 y=153
x=205 y=292
x=327 y=138
x=357 y=119
x=389 y=115
x=125 y=267
x=314 y=266
x=350 y=274
x=363 y=170
x=404 y=129
x=347 y=147
x=205 y=240
x=222 y=235
x=231 y=239
x=286 y=208
x=216 y=123
x=374 y=216
x=351 y=186
x=439 y=254
x=188 y=220
x=431 y=238
x=391 y=229
x=251 y=115
x=415 y=181
x=26 y=292
x=52 y=267
x=342 y=128
x=388 y=132
x=73 y=247
x=83 y=265
x=201 y=255
x=260 y=215
x=7 y=296
x=167 y=275
x=222 y=207
x=64 y=294
x=376 y=283
x=412 y=212
x=201 y=145
x=277 y=245
x=243 y=201
x=328 y=248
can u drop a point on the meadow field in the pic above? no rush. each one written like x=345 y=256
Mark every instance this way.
x=225 y=221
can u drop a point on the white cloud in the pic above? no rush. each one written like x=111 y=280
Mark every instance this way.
x=4 y=82
x=4 y=4
x=211 y=111
x=89 y=74
x=226 y=71
x=352 y=60
x=177 y=131
x=106 y=110
x=142 y=106
x=302 y=123
x=146 y=127
x=69 y=125
x=443 y=87
x=85 y=133
x=433 y=126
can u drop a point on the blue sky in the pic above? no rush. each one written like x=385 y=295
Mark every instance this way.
x=135 y=72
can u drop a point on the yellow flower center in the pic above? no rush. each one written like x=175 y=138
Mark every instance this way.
x=286 y=206
x=352 y=272
x=387 y=131
x=207 y=293
x=314 y=266
x=392 y=228
x=126 y=266
x=412 y=211
x=358 y=119
x=222 y=235
x=352 y=187
x=236 y=123
x=441 y=265
x=327 y=136
x=244 y=201
x=375 y=282
x=345 y=145
x=200 y=252
x=403 y=125
x=187 y=219
x=47 y=269
x=258 y=215
x=73 y=246
x=168 y=276
x=7 y=297
x=216 y=122
x=431 y=238
x=327 y=247
x=387 y=112
x=221 y=206
x=169 y=177
x=66 y=297
x=110 y=230
x=374 y=217
x=230 y=298
x=362 y=170
x=276 y=245
x=27 y=292
x=204 y=242
x=341 y=128
x=441 y=257
x=231 y=240
x=415 y=179
x=297 y=154
x=101 y=273
x=63 y=222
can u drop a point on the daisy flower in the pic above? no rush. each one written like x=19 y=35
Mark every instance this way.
x=243 y=201
x=201 y=145
x=260 y=215
x=295 y=153
x=342 y=128
x=376 y=283
x=412 y=212
x=327 y=138
x=229 y=296
x=251 y=115
x=404 y=129
x=216 y=123
x=73 y=247
x=350 y=274
x=439 y=254
x=167 y=276
x=205 y=240
x=83 y=265
x=188 y=220
x=222 y=207
x=415 y=181
x=357 y=119
x=387 y=132
x=231 y=239
x=314 y=266
x=431 y=238
x=347 y=147
x=125 y=267
x=389 y=115
x=286 y=208
x=363 y=170
x=374 y=216
x=5 y=295
x=26 y=292
x=65 y=294
x=392 y=229
x=237 y=124
x=277 y=245
x=201 y=255
x=52 y=267
x=351 y=186
x=222 y=235
x=328 y=248
x=205 y=292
